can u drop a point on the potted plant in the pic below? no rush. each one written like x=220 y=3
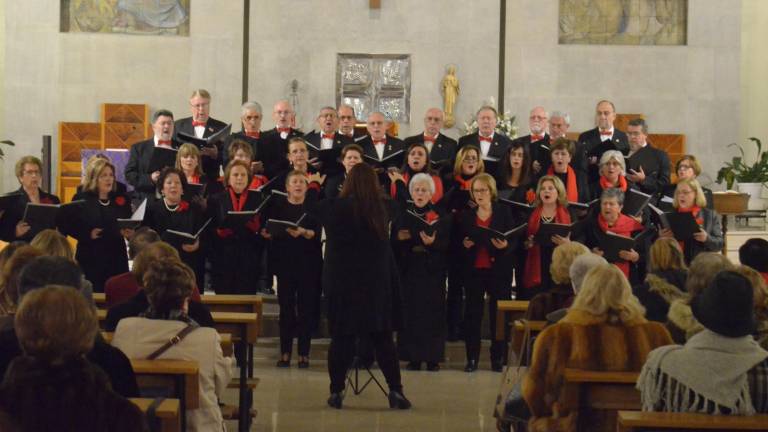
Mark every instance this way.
x=6 y=142
x=750 y=177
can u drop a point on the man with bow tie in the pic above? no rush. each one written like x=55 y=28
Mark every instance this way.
x=441 y=148
x=274 y=142
x=202 y=125
x=594 y=142
x=538 y=140
x=379 y=148
x=250 y=118
x=328 y=138
x=492 y=145
x=137 y=170
x=347 y=121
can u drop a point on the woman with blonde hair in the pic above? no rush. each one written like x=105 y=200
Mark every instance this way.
x=101 y=248
x=561 y=294
x=53 y=243
x=665 y=281
x=604 y=330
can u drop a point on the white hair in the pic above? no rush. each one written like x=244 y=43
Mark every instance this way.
x=250 y=106
x=561 y=114
x=422 y=178
x=581 y=266
x=615 y=155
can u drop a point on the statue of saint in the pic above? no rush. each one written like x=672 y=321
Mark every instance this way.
x=450 y=89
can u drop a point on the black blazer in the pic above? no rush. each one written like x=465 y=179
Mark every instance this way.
x=224 y=153
x=210 y=166
x=339 y=141
x=715 y=238
x=590 y=145
x=137 y=172
x=581 y=183
x=443 y=149
x=538 y=151
x=332 y=186
x=14 y=212
x=655 y=164
x=393 y=145
x=501 y=259
x=497 y=149
x=273 y=151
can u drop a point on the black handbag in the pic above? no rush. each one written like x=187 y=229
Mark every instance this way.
x=511 y=407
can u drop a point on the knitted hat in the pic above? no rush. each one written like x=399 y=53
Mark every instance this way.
x=726 y=305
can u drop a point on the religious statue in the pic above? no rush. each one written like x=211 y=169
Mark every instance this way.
x=450 y=89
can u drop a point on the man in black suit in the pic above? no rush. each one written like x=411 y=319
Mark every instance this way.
x=326 y=139
x=594 y=142
x=378 y=146
x=250 y=117
x=137 y=170
x=493 y=146
x=538 y=140
x=441 y=148
x=347 y=122
x=274 y=142
x=202 y=125
x=647 y=167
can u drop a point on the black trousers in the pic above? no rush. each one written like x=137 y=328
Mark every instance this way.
x=342 y=352
x=477 y=283
x=297 y=297
x=454 y=299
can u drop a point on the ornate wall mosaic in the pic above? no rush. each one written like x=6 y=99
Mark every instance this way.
x=375 y=82
x=623 y=22
x=138 y=17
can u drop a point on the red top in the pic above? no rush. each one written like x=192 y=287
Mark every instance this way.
x=483 y=257
x=122 y=287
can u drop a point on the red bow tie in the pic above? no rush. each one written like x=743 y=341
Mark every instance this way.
x=535 y=137
x=164 y=143
x=609 y=133
x=286 y=130
x=486 y=139
x=254 y=134
x=198 y=123
x=329 y=136
x=380 y=141
x=429 y=138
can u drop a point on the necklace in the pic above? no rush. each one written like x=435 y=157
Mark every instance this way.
x=547 y=219
x=104 y=202
x=169 y=208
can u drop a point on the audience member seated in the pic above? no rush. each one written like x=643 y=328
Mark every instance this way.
x=122 y=287
x=139 y=303
x=577 y=272
x=760 y=289
x=168 y=285
x=680 y=320
x=53 y=243
x=561 y=294
x=52 y=386
x=666 y=280
x=721 y=369
x=754 y=253
x=9 y=279
x=604 y=330
x=44 y=271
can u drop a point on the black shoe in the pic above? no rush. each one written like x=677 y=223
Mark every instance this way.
x=471 y=366
x=413 y=366
x=303 y=364
x=397 y=400
x=335 y=400
x=283 y=363
x=433 y=367
x=496 y=366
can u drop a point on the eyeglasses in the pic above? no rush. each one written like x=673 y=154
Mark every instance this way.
x=470 y=159
x=201 y=105
x=433 y=119
x=31 y=172
x=682 y=167
x=480 y=191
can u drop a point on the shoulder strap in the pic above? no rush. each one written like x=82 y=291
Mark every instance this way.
x=172 y=341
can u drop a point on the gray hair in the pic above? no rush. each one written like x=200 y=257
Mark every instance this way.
x=581 y=266
x=561 y=114
x=488 y=108
x=422 y=178
x=615 y=155
x=250 y=106
x=161 y=113
x=613 y=193
x=328 y=107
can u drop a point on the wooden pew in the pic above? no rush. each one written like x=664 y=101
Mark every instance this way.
x=183 y=373
x=599 y=395
x=167 y=412
x=508 y=311
x=518 y=333
x=633 y=421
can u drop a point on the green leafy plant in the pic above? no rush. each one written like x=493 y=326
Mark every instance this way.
x=6 y=142
x=738 y=170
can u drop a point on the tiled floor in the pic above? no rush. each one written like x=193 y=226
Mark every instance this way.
x=294 y=400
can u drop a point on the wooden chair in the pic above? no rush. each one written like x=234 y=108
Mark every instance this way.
x=633 y=421
x=599 y=395
x=167 y=412
x=508 y=311
x=181 y=377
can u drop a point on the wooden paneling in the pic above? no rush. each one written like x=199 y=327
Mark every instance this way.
x=124 y=124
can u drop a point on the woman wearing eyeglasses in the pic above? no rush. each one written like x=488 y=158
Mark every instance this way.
x=29 y=172
x=688 y=167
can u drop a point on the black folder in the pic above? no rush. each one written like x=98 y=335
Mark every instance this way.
x=205 y=142
x=635 y=201
x=238 y=219
x=162 y=157
x=546 y=230
x=279 y=228
x=328 y=157
x=584 y=206
x=484 y=235
x=195 y=189
x=136 y=218
x=491 y=165
x=611 y=243
x=43 y=216
x=683 y=225
x=416 y=224
x=393 y=160
x=521 y=208
x=178 y=238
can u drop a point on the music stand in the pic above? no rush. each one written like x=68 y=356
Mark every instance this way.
x=354 y=384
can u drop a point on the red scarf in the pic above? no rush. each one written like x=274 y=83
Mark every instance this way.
x=604 y=184
x=695 y=211
x=257 y=181
x=238 y=203
x=437 y=196
x=195 y=179
x=532 y=276
x=463 y=184
x=624 y=226
x=571 y=187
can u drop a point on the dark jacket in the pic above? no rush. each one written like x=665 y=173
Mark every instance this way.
x=74 y=396
x=209 y=165
x=655 y=165
x=497 y=150
x=659 y=290
x=137 y=172
x=14 y=212
x=501 y=259
x=139 y=303
x=339 y=142
x=273 y=149
x=254 y=142
x=539 y=150
x=444 y=148
x=560 y=296
x=590 y=145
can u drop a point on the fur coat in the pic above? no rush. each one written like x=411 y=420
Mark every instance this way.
x=571 y=344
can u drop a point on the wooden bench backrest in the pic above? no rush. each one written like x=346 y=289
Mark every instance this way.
x=598 y=396
x=630 y=421
x=148 y=370
x=167 y=412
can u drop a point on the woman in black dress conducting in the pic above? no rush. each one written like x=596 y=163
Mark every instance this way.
x=359 y=277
